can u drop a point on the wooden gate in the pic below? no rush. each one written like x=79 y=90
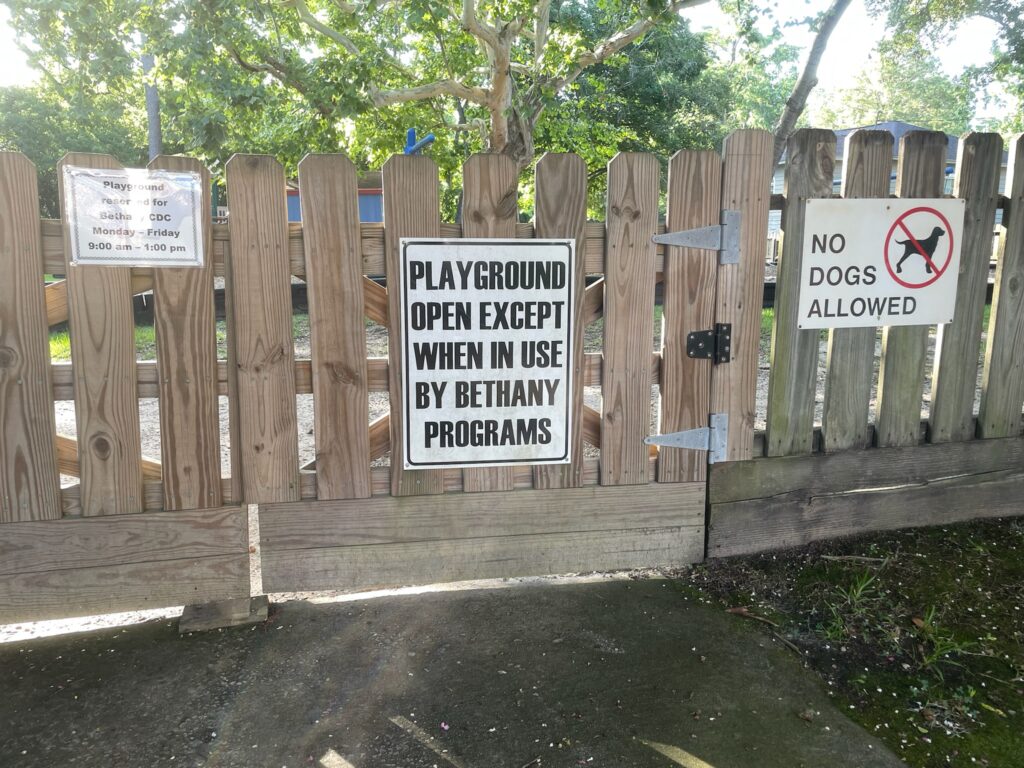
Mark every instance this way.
x=137 y=533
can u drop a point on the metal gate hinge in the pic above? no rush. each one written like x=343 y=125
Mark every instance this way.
x=713 y=439
x=724 y=238
x=714 y=345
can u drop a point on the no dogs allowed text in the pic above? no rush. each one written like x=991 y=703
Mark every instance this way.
x=486 y=352
x=880 y=262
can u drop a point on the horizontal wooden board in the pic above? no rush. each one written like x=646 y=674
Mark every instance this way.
x=376 y=376
x=371 y=242
x=389 y=565
x=793 y=501
x=348 y=544
x=126 y=562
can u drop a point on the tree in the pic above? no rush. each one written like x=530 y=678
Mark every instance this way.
x=907 y=84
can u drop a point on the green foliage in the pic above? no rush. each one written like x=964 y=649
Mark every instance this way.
x=906 y=84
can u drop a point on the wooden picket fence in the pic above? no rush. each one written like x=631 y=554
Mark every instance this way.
x=135 y=533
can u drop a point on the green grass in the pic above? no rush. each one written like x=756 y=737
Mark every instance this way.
x=145 y=342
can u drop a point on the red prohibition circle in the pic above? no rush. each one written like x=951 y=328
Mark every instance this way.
x=939 y=271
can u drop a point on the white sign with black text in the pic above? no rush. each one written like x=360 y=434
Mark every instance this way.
x=486 y=352
x=879 y=262
x=134 y=217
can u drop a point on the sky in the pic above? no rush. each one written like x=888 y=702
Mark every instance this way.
x=847 y=54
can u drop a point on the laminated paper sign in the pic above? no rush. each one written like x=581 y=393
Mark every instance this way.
x=134 y=217
x=486 y=352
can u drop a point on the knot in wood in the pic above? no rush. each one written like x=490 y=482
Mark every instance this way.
x=8 y=357
x=101 y=447
x=343 y=374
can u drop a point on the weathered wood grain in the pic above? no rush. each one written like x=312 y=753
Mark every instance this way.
x=746 y=187
x=921 y=173
x=955 y=372
x=99 y=565
x=810 y=167
x=489 y=209
x=102 y=330
x=561 y=212
x=1002 y=389
x=29 y=486
x=632 y=217
x=375 y=300
x=593 y=302
x=448 y=538
x=411 y=209
x=694 y=200
x=186 y=352
x=804 y=499
x=849 y=364
x=328 y=190
x=268 y=434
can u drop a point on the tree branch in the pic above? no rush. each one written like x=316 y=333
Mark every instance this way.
x=307 y=18
x=279 y=71
x=620 y=40
x=540 y=37
x=430 y=91
x=477 y=28
x=797 y=101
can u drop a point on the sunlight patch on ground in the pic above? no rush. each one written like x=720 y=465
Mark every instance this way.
x=680 y=756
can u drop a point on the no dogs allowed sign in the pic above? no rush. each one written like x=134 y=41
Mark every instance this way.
x=880 y=262
x=486 y=352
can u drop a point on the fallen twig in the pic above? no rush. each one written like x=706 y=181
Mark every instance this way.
x=745 y=613
x=855 y=558
x=788 y=644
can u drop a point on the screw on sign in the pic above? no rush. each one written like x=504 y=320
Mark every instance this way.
x=919 y=247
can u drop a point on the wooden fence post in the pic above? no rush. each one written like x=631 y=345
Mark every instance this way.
x=328 y=190
x=411 y=209
x=263 y=328
x=849 y=363
x=746 y=187
x=103 y=353
x=489 y=209
x=694 y=200
x=186 y=350
x=811 y=157
x=632 y=219
x=29 y=484
x=955 y=372
x=561 y=212
x=921 y=173
x=1002 y=389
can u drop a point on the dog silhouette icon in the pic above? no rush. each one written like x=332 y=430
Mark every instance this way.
x=928 y=245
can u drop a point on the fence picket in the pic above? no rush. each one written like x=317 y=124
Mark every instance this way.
x=746 y=187
x=29 y=486
x=103 y=352
x=263 y=328
x=186 y=351
x=921 y=173
x=632 y=218
x=694 y=200
x=489 y=209
x=810 y=167
x=328 y=190
x=849 y=363
x=561 y=212
x=955 y=372
x=1002 y=391
x=411 y=209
